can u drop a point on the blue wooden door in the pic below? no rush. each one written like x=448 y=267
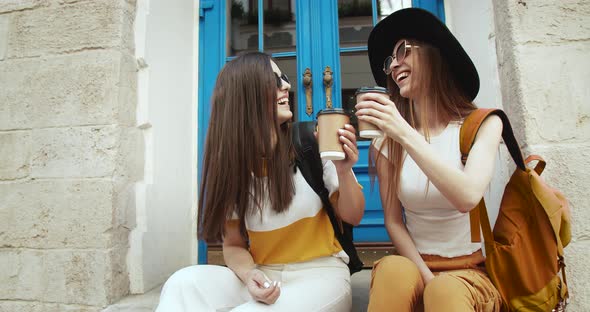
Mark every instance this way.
x=303 y=36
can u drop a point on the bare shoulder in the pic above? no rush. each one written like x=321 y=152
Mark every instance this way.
x=491 y=129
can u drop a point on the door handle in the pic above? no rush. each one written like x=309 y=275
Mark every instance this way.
x=328 y=85
x=307 y=85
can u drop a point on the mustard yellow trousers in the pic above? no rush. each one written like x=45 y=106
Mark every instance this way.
x=396 y=285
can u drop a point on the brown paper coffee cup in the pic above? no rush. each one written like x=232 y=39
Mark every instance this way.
x=366 y=129
x=329 y=122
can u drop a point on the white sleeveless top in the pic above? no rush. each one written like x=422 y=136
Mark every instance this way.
x=436 y=227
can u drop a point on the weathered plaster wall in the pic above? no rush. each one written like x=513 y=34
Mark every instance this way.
x=543 y=53
x=69 y=152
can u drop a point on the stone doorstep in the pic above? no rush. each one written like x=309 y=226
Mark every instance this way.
x=137 y=303
x=148 y=301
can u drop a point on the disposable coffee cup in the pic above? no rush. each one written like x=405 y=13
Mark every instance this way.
x=329 y=122
x=366 y=129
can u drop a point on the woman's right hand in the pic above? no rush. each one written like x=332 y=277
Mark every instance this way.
x=382 y=112
x=261 y=288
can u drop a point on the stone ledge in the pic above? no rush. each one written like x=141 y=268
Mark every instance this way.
x=37 y=306
x=137 y=303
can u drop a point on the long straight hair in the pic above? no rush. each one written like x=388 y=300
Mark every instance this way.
x=247 y=152
x=440 y=99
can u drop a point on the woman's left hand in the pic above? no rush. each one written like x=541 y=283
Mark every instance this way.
x=348 y=139
x=383 y=113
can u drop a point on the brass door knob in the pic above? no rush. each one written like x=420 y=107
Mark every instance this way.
x=328 y=85
x=307 y=86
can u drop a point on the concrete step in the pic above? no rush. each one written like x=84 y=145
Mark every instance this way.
x=137 y=303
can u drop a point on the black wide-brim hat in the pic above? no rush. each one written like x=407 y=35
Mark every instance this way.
x=419 y=24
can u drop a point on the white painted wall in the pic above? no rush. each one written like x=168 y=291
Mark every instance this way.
x=163 y=237
x=472 y=22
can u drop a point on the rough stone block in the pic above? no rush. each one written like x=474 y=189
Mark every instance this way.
x=58 y=214
x=549 y=21
x=84 y=277
x=130 y=167
x=15 y=154
x=26 y=306
x=81 y=152
x=89 y=88
x=130 y=2
x=566 y=171
x=17 y=5
x=554 y=84
x=127 y=92
x=72 y=27
x=577 y=257
x=4 y=21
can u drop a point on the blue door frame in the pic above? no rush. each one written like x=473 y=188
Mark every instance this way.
x=317 y=47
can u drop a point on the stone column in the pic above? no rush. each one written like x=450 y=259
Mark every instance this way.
x=543 y=49
x=69 y=152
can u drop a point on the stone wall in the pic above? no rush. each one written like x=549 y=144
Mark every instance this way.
x=543 y=53
x=69 y=152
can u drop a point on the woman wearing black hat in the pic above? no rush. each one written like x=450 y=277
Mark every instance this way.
x=425 y=189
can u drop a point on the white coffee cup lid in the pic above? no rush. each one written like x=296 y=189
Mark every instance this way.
x=332 y=155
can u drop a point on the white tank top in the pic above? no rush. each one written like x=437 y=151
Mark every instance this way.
x=436 y=227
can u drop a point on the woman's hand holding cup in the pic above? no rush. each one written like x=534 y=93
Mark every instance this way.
x=337 y=139
x=347 y=138
x=382 y=112
x=366 y=129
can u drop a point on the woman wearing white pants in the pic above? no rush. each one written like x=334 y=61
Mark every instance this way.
x=317 y=285
x=278 y=242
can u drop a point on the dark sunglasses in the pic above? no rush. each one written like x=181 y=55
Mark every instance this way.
x=280 y=79
x=400 y=51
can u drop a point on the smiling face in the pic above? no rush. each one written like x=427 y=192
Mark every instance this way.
x=401 y=65
x=284 y=113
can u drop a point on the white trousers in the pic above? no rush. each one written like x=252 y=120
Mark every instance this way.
x=318 y=285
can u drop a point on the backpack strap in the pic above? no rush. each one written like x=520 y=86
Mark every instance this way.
x=471 y=126
x=309 y=162
x=467 y=136
x=540 y=163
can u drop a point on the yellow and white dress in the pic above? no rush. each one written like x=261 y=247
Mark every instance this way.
x=296 y=247
x=301 y=233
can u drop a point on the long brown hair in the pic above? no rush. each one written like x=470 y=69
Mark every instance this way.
x=439 y=97
x=244 y=143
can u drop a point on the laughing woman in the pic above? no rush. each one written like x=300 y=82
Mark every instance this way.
x=278 y=242
x=425 y=189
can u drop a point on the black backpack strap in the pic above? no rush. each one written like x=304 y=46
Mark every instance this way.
x=308 y=160
x=310 y=164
